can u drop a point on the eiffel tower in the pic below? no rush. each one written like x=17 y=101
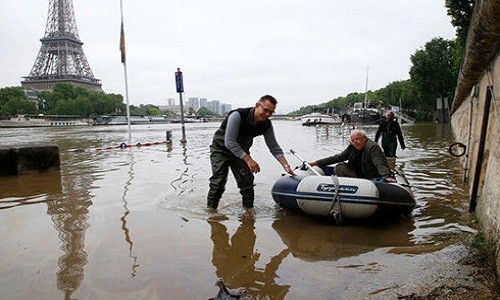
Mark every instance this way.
x=61 y=58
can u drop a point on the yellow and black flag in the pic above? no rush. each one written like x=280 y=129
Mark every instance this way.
x=122 y=43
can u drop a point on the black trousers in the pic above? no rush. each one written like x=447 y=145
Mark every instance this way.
x=221 y=163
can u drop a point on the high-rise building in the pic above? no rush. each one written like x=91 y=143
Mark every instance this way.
x=203 y=102
x=224 y=108
x=214 y=106
x=194 y=103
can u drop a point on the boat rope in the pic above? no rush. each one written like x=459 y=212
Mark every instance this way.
x=336 y=209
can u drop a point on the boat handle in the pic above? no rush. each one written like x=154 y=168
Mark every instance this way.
x=304 y=162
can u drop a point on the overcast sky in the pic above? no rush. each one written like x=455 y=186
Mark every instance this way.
x=302 y=52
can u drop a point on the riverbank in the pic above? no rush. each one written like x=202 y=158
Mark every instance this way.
x=132 y=222
x=479 y=280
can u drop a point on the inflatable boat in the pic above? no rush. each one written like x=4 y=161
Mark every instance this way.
x=323 y=195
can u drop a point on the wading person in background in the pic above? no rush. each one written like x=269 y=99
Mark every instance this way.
x=391 y=133
x=364 y=157
x=230 y=149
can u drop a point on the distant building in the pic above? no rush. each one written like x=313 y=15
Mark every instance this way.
x=176 y=109
x=203 y=102
x=194 y=103
x=224 y=108
x=214 y=106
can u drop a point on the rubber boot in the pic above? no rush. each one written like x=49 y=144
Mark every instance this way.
x=248 y=197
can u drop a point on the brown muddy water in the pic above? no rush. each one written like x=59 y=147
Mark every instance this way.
x=132 y=224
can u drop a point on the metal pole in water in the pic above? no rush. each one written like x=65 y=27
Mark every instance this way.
x=180 y=89
x=124 y=61
x=169 y=136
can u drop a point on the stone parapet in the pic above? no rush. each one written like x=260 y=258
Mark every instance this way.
x=16 y=160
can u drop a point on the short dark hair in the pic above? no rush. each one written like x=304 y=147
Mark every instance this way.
x=268 y=98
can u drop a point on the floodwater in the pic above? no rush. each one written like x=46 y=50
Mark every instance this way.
x=132 y=223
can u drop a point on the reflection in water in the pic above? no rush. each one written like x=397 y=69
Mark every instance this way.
x=312 y=239
x=126 y=231
x=433 y=173
x=235 y=260
x=30 y=188
x=177 y=183
x=69 y=212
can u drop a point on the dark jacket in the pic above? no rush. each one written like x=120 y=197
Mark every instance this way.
x=247 y=131
x=374 y=163
x=390 y=131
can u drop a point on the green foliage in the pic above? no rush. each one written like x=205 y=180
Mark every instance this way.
x=144 y=110
x=8 y=93
x=18 y=106
x=433 y=69
x=336 y=104
x=419 y=104
x=484 y=249
x=13 y=101
x=64 y=99
x=203 y=111
x=460 y=12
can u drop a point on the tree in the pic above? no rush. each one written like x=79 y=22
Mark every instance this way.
x=66 y=99
x=144 y=110
x=14 y=101
x=460 y=12
x=433 y=70
x=18 y=106
x=11 y=92
x=203 y=111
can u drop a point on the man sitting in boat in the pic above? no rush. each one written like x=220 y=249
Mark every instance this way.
x=365 y=159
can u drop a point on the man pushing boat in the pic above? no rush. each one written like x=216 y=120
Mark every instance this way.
x=230 y=148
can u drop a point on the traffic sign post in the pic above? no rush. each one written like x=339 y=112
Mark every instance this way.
x=179 y=85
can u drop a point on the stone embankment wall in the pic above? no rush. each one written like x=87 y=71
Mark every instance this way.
x=16 y=160
x=476 y=117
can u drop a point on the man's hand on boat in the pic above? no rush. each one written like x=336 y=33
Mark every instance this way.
x=289 y=170
x=306 y=165
x=390 y=179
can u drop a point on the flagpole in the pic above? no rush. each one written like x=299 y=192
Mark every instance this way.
x=124 y=61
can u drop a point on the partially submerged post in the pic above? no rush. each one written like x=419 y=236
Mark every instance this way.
x=169 y=136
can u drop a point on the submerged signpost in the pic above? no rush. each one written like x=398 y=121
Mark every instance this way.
x=179 y=85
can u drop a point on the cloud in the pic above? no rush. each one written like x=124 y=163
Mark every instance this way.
x=302 y=52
